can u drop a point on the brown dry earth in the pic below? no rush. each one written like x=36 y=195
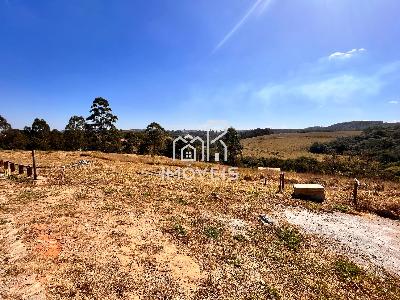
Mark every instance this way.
x=112 y=228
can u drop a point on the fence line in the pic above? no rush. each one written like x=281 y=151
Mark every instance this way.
x=10 y=168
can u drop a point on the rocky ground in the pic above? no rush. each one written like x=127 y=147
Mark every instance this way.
x=367 y=238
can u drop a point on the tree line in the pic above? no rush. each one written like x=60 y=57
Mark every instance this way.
x=98 y=132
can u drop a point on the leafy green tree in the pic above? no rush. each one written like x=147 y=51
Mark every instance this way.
x=75 y=133
x=131 y=141
x=4 y=128
x=155 y=137
x=56 y=140
x=100 y=129
x=101 y=118
x=38 y=134
x=4 y=125
x=14 y=139
x=232 y=141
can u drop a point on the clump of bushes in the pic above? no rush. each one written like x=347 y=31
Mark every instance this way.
x=290 y=236
x=332 y=165
x=212 y=232
x=346 y=269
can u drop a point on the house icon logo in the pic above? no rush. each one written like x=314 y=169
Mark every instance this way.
x=189 y=151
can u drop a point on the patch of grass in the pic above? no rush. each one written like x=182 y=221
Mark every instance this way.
x=341 y=207
x=346 y=269
x=260 y=290
x=80 y=195
x=13 y=270
x=4 y=207
x=64 y=209
x=29 y=195
x=212 y=232
x=290 y=236
x=109 y=190
x=235 y=261
x=3 y=221
x=110 y=207
x=182 y=201
x=180 y=230
x=239 y=237
x=19 y=179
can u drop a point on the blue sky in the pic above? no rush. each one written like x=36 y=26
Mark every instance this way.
x=201 y=63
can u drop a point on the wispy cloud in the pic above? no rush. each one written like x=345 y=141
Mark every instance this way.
x=326 y=87
x=338 y=89
x=345 y=55
x=261 y=5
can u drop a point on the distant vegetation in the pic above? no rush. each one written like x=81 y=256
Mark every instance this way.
x=376 y=152
x=379 y=144
x=245 y=134
x=349 y=126
x=98 y=132
x=290 y=145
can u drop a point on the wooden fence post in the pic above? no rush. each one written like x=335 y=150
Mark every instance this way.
x=34 y=165
x=281 y=182
x=20 y=169
x=29 y=171
x=355 y=190
x=7 y=168
x=12 y=168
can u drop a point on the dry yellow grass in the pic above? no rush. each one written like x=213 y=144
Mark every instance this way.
x=289 y=145
x=114 y=229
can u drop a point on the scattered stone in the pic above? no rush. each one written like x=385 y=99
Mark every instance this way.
x=82 y=162
x=266 y=220
x=215 y=196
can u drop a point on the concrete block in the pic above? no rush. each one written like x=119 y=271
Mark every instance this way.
x=313 y=192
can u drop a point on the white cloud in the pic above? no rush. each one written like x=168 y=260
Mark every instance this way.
x=345 y=55
x=340 y=89
x=321 y=86
x=262 y=5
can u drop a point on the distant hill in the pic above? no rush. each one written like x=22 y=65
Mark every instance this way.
x=349 y=126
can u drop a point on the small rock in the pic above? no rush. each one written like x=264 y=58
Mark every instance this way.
x=266 y=220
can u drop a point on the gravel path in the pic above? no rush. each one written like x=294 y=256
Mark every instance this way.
x=368 y=237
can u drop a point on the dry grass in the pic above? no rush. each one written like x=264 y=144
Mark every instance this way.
x=114 y=229
x=289 y=145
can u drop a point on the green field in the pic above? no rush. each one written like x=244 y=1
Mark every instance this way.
x=289 y=145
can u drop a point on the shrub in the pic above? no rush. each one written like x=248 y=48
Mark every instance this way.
x=212 y=232
x=290 y=236
x=347 y=269
x=319 y=148
x=180 y=230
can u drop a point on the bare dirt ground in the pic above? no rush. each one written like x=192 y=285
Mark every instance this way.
x=112 y=228
x=367 y=237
